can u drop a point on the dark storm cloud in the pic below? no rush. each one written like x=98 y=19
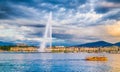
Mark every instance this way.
x=62 y=36
x=67 y=3
x=4 y=10
x=90 y=38
x=37 y=34
x=107 y=5
x=115 y=1
x=22 y=1
x=115 y=15
x=36 y=25
x=102 y=9
x=8 y=11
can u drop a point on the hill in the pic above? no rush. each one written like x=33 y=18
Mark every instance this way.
x=117 y=44
x=6 y=43
x=96 y=44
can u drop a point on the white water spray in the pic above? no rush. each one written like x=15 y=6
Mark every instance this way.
x=47 y=38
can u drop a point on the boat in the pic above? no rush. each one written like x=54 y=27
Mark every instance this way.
x=96 y=58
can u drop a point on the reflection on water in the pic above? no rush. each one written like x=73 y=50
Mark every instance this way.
x=56 y=62
x=115 y=63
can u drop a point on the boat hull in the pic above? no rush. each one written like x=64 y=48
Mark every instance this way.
x=96 y=59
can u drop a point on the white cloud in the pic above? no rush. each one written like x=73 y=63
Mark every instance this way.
x=76 y=22
x=2 y=27
x=109 y=4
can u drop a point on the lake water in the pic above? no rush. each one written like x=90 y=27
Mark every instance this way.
x=57 y=62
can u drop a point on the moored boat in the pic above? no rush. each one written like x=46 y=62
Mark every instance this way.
x=96 y=58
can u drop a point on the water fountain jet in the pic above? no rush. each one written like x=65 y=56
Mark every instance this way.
x=47 y=38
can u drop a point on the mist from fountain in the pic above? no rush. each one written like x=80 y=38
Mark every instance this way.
x=47 y=38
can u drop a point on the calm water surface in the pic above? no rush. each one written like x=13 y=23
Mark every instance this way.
x=57 y=62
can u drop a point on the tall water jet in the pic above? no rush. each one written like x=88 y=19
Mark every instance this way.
x=47 y=38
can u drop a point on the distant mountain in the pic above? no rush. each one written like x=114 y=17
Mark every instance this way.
x=6 y=43
x=117 y=44
x=91 y=44
x=95 y=44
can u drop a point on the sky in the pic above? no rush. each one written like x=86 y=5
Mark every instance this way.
x=74 y=21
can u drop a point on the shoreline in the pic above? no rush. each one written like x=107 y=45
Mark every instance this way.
x=59 y=52
x=31 y=49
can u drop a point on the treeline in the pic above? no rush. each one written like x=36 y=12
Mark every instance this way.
x=7 y=48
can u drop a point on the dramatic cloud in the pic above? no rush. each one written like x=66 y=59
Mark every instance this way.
x=74 y=21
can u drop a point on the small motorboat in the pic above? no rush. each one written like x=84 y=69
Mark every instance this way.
x=96 y=58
